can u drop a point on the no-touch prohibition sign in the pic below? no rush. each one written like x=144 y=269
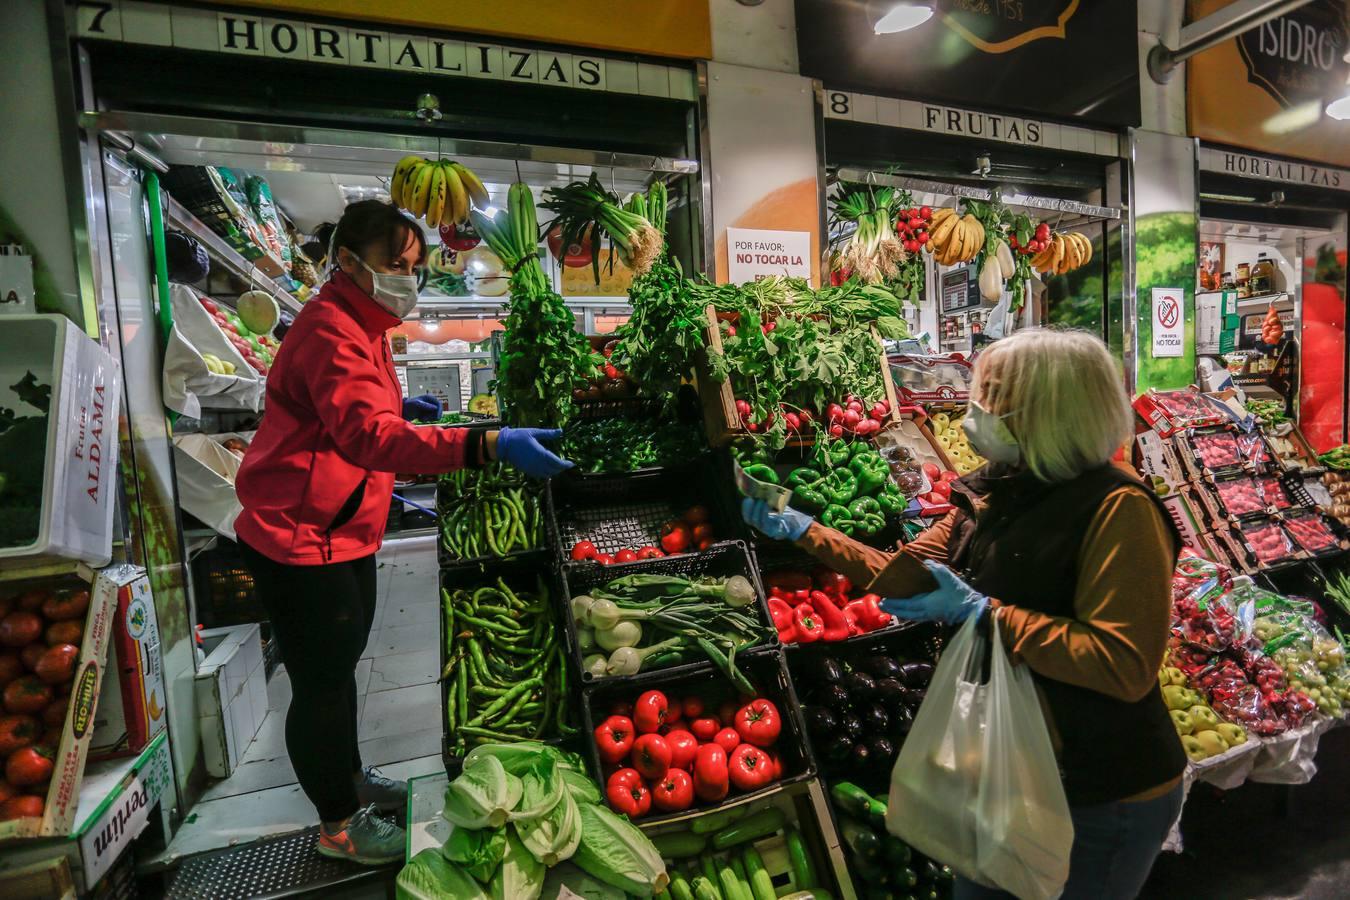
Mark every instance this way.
x=1169 y=311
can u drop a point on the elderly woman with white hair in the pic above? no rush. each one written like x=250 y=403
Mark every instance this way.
x=1073 y=556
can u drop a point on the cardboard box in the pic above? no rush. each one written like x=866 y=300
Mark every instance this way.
x=78 y=728
x=132 y=711
x=1186 y=520
x=1157 y=462
x=49 y=879
x=126 y=797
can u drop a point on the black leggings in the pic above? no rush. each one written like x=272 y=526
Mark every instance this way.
x=321 y=618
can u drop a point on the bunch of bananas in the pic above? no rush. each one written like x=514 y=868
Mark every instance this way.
x=1064 y=252
x=441 y=191
x=954 y=239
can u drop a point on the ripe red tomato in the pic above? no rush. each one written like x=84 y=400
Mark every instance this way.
x=674 y=791
x=22 y=807
x=27 y=695
x=675 y=537
x=703 y=532
x=67 y=632
x=57 y=665
x=54 y=716
x=17 y=732
x=32 y=601
x=67 y=606
x=695 y=515
x=728 y=739
x=11 y=667
x=626 y=556
x=21 y=626
x=30 y=655
x=27 y=766
x=604 y=559
x=6 y=790
x=583 y=550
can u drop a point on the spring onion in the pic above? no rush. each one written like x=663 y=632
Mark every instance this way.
x=623 y=634
x=628 y=660
x=595 y=665
x=586 y=638
x=584 y=209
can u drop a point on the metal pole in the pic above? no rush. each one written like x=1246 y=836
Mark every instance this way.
x=1232 y=20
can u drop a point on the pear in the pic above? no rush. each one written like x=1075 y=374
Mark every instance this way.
x=1235 y=735
x=1194 y=750
x=1204 y=718
x=1211 y=743
x=1182 y=720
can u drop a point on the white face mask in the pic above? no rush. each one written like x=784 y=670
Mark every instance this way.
x=396 y=293
x=990 y=436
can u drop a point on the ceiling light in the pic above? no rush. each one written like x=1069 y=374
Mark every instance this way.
x=903 y=17
x=1339 y=109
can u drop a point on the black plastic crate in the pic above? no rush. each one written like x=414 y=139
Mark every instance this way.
x=766 y=671
x=629 y=511
x=222 y=587
x=720 y=561
x=545 y=551
x=518 y=577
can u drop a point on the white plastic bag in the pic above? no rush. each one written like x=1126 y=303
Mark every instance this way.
x=976 y=785
x=188 y=383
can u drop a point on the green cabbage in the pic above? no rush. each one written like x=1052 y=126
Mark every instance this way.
x=483 y=796
x=582 y=789
x=477 y=850
x=541 y=789
x=430 y=876
x=520 y=876
x=553 y=838
x=613 y=850
x=516 y=758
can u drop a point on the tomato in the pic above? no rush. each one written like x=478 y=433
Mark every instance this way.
x=691 y=707
x=942 y=490
x=673 y=792
x=57 y=665
x=6 y=606
x=627 y=794
x=23 y=806
x=31 y=601
x=650 y=552
x=711 y=779
x=695 y=515
x=683 y=748
x=27 y=766
x=703 y=532
x=614 y=738
x=728 y=739
x=604 y=559
x=758 y=723
x=950 y=476
x=649 y=712
x=54 y=716
x=651 y=756
x=704 y=728
x=674 y=537
x=67 y=606
x=30 y=655
x=777 y=762
x=27 y=695
x=577 y=255
x=583 y=550
x=67 y=632
x=6 y=790
x=17 y=732
x=749 y=768
x=11 y=667
x=726 y=713
x=626 y=556
x=20 y=627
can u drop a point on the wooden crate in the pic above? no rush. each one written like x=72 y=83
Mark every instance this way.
x=721 y=422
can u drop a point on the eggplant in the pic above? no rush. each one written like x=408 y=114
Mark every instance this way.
x=916 y=696
x=891 y=694
x=860 y=756
x=882 y=666
x=901 y=723
x=829 y=670
x=860 y=685
x=916 y=674
x=832 y=696
x=874 y=718
x=820 y=722
x=850 y=726
x=839 y=749
x=882 y=749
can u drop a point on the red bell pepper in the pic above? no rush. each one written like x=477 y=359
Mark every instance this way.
x=627 y=793
x=808 y=625
x=789 y=581
x=683 y=749
x=750 y=768
x=835 y=625
x=710 y=773
x=800 y=596
x=675 y=792
x=852 y=615
x=780 y=612
x=728 y=739
x=651 y=756
x=876 y=616
x=614 y=738
x=788 y=635
x=758 y=723
x=649 y=712
x=832 y=582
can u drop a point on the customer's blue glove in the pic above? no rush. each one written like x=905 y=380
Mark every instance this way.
x=952 y=603
x=788 y=525
x=521 y=448
x=422 y=408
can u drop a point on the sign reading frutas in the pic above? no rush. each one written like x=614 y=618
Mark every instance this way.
x=1169 y=321
x=753 y=253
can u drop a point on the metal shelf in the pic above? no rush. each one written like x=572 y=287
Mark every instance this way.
x=1266 y=299
x=232 y=260
x=438 y=357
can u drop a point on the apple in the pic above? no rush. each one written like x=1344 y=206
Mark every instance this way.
x=1178 y=697
x=1181 y=720
x=1194 y=750
x=1211 y=743
x=1234 y=735
x=1203 y=718
x=1175 y=675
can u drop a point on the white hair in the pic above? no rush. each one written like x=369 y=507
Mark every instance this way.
x=1063 y=396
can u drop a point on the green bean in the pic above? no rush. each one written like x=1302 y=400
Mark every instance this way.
x=505 y=700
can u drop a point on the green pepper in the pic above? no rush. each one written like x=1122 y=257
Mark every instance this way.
x=809 y=497
x=803 y=476
x=866 y=515
x=859 y=448
x=837 y=516
x=840 y=486
x=891 y=500
x=831 y=455
x=761 y=472
x=872 y=471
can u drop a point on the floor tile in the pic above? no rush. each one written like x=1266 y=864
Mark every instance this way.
x=216 y=824
x=256 y=775
x=270 y=742
x=412 y=611
x=401 y=711
x=402 y=639
x=386 y=752
x=403 y=670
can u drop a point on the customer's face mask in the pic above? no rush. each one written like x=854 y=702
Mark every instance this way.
x=396 y=293
x=990 y=436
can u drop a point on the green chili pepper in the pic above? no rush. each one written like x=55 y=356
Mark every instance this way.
x=866 y=515
x=872 y=471
x=891 y=500
x=840 y=486
x=761 y=472
x=837 y=516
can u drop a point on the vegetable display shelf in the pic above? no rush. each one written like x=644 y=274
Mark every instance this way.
x=720 y=561
x=766 y=671
x=544 y=551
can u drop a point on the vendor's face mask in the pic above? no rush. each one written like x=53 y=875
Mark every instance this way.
x=990 y=436
x=396 y=293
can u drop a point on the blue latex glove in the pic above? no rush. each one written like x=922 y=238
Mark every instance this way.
x=422 y=408
x=521 y=448
x=788 y=525
x=953 y=602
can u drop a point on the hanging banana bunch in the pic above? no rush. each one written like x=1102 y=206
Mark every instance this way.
x=1063 y=253
x=442 y=192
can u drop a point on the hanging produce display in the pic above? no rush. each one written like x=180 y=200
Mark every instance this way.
x=1063 y=254
x=955 y=238
x=442 y=192
x=585 y=214
x=876 y=237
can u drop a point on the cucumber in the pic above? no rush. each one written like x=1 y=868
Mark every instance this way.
x=679 y=887
x=761 y=884
x=897 y=851
x=709 y=870
x=803 y=873
x=731 y=890
x=680 y=844
x=905 y=879
x=858 y=803
x=878 y=892
x=753 y=827
x=742 y=880
x=862 y=840
x=718 y=820
x=704 y=889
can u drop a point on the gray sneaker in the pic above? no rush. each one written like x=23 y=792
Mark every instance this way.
x=367 y=839
x=387 y=794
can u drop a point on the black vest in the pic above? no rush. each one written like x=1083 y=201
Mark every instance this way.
x=1023 y=549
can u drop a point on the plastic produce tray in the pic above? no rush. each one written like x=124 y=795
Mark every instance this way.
x=518 y=576
x=719 y=561
x=629 y=511
x=766 y=671
x=538 y=555
x=223 y=587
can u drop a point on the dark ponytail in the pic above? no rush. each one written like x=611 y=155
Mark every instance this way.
x=374 y=222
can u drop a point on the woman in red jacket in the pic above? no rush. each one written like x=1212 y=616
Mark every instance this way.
x=315 y=487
